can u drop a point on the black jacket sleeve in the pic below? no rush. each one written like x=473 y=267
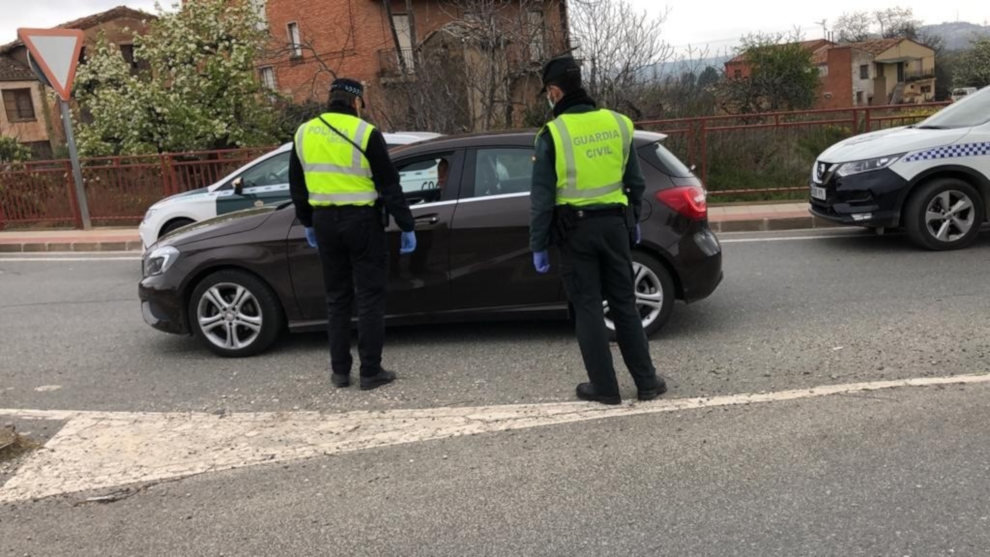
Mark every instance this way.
x=298 y=191
x=543 y=194
x=635 y=184
x=386 y=180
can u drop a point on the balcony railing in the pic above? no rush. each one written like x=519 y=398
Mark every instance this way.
x=390 y=65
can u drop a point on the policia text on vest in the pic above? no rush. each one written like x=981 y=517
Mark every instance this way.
x=340 y=176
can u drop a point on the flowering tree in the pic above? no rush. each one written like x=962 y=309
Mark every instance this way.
x=195 y=86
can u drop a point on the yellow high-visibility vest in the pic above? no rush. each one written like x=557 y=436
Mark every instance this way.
x=336 y=172
x=592 y=149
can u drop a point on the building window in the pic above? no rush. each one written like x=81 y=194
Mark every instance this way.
x=259 y=10
x=18 y=105
x=859 y=98
x=295 y=42
x=737 y=74
x=864 y=71
x=404 y=33
x=40 y=150
x=268 y=77
x=537 y=38
x=926 y=89
x=127 y=51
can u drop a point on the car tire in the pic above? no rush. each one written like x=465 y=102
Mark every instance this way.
x=235 y=314
x=173 y=225
x=655 y=293
x=930 y=222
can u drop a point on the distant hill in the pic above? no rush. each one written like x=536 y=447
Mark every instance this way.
x=676 y=68
x=958 y=34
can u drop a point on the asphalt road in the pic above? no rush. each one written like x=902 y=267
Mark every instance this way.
x=899 y=472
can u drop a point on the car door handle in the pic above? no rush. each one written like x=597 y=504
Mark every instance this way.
x=428 y=219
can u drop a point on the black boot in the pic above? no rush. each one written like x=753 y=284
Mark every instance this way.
x=587 y=391
x=340 y=380
x=383 y=377
x=653 y=392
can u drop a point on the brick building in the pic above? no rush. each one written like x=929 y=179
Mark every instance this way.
x=30 y=114
x=876 y=72
x=380 y=42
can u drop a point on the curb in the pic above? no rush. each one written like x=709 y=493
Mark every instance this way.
x=771 y=224
x=36 y=247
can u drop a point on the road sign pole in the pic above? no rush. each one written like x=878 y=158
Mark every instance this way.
x=76 y=169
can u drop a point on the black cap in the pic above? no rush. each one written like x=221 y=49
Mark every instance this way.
x=348 y=85
x=562 y=69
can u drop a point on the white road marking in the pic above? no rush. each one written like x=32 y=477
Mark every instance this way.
x=100 y=450
x=47 y=388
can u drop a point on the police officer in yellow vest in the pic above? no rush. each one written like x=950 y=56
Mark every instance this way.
x=585 y=178
x=340 y=178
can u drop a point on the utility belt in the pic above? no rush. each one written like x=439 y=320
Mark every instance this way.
x=376 y=211
x=567 y=217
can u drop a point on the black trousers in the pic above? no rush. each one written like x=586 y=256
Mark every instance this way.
x=353 y=252
x=596 y=263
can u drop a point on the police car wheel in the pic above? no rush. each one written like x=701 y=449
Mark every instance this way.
x=654 y=293
x=234 y=314
x=174 y=224
x=944 y=214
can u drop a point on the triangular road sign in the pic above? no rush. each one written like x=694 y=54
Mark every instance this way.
x=57 y=52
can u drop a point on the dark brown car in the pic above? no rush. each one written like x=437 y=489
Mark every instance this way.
x=238 y=280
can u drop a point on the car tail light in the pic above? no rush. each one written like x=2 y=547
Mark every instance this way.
x=689 y=201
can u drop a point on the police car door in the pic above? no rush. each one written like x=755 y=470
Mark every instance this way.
x=265 y=182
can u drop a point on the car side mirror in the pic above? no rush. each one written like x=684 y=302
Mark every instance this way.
x=238 y=185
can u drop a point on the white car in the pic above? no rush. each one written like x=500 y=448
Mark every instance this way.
x=931 y=178
x=261 y=181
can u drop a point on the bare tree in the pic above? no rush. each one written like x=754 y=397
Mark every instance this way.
x=853 y=27
x=478 y=72
x=619 y=48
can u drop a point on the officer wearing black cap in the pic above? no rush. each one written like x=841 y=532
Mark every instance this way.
x=586 y=177
x=340 y=178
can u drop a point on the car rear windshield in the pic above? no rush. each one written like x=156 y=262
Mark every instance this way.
x=972 y=110
x=664 y=161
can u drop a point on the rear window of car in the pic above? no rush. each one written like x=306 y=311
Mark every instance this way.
x=663 y=160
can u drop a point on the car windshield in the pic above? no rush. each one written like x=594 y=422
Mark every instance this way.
x=973 y=110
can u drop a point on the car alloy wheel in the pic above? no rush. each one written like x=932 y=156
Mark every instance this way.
x=229 y=316
x=949 y=216
x=234 y=313
x=654 y=293
x=944 y=213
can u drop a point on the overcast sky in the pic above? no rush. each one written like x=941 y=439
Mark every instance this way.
x=717 y=23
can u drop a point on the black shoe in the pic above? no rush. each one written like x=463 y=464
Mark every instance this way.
x=587 y=391
x=374 y=381
x=340 y=380
x=650 y=394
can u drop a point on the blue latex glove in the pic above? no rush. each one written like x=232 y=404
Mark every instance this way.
x=310 y=236
x=408 y=243
x=541 y=261
x=639 y=234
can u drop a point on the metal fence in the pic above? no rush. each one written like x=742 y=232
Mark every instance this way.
x=745 y=157
x=118 y=189
x=765 y=156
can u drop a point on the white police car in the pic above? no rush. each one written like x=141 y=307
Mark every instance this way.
x=932 y=178
x=261 y=181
